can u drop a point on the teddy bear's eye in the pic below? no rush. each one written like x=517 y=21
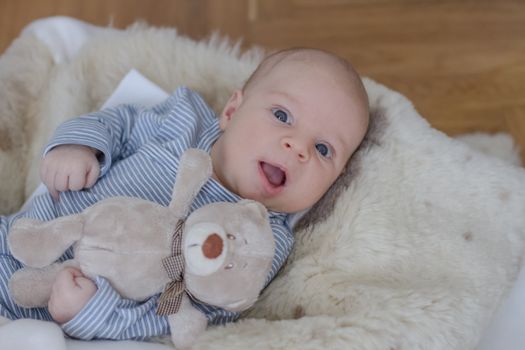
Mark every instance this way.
x=229 y=266
x=230 y=236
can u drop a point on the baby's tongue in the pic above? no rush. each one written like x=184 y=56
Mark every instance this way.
x=274 y=175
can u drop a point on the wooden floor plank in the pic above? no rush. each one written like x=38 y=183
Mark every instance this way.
x=461 y=62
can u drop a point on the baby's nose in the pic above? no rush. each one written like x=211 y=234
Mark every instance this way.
x=299 y=148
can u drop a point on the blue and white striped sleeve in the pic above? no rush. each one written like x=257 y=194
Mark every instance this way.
x=108 y=316
x=284 y=241
x=108 y=131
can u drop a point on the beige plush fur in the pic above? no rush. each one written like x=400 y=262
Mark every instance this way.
x=413 y=249
x=21 y=85
x=125 y=240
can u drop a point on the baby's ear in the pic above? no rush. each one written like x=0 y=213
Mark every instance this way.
x=229 y=109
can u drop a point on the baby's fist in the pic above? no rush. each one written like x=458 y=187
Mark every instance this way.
x=69 y=168
x=70 y=293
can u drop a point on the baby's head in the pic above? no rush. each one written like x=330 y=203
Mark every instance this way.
x=288 y=134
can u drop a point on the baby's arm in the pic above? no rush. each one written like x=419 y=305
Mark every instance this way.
x=69 y=168
x=82 y=149
x=70 y=293
x=107 y=315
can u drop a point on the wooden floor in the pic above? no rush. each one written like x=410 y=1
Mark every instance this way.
x=461 y=62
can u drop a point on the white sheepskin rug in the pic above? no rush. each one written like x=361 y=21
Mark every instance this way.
x=414 y=248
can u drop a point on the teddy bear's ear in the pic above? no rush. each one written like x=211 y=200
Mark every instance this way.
x=255 y=206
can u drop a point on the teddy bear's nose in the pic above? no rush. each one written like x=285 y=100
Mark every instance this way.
x=212 y=246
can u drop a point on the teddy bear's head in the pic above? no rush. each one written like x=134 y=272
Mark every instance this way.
x=228 y=250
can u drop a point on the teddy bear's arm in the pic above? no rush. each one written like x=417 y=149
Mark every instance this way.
x=38 y=243
x=195 y=169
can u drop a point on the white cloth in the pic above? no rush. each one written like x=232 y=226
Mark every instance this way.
x=64 y=36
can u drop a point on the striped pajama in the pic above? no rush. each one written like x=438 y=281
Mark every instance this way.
x=140 y=151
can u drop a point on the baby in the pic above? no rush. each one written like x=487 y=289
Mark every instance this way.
x=283 y=139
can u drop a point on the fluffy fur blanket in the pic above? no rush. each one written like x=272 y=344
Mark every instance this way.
x=413 y=249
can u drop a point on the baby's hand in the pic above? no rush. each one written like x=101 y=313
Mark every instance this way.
x=69 y=167
x=70 y=293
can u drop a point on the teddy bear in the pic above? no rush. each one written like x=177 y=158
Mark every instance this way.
x=220 y=254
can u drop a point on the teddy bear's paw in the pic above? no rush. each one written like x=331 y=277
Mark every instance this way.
x=24 y=239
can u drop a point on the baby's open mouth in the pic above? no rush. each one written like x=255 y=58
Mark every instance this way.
x=275 y=175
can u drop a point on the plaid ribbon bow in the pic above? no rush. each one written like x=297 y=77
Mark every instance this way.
x=171 y=298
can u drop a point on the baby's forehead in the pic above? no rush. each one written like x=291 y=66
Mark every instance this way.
x=345 y=82
x=306 y=62
x=338 y=69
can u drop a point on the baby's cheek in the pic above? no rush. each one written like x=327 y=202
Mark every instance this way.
x=318 y=189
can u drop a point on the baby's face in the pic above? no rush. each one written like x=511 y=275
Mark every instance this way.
x=288 y=137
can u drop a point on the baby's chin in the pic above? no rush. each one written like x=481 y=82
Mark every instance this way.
x=282 y=202
x=285 y=208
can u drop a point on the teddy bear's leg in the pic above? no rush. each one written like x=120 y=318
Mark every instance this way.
x=31 y=287
x=186 y=324
x=38 y=243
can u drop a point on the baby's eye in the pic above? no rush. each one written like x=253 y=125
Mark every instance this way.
x=281 y=115
x=324 y=150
